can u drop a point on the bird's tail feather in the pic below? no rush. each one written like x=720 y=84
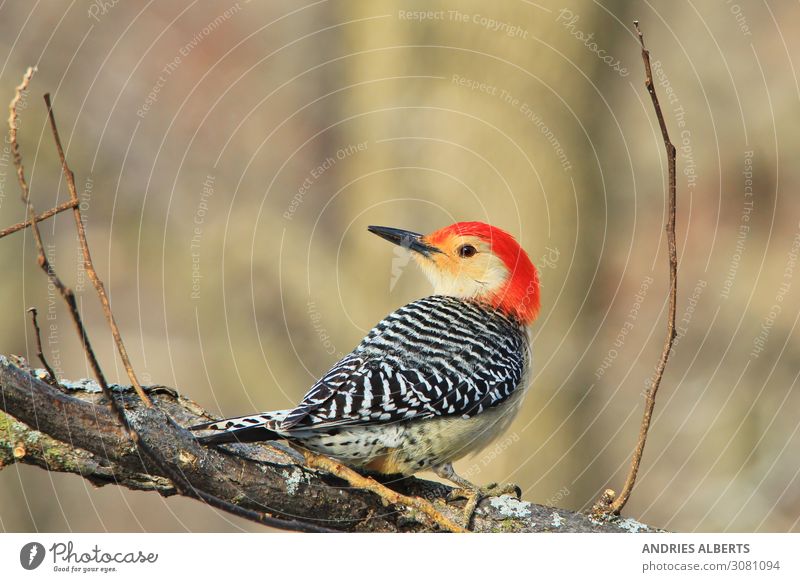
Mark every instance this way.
x=240 y=435
x=242 y=429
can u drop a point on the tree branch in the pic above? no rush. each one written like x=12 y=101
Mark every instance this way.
x=609 y=502
x=87 y=256
x=39 y=352
x=40 y=217
x=76 y=432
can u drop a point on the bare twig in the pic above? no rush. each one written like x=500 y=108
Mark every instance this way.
x=355 y=479
x=19 y=93
x=44 y=263
x=39 y=217
x=619 y=502
x=39 y=352
x=87 y=258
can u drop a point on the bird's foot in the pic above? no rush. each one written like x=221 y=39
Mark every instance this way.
x=471 y=492
x=474 y=495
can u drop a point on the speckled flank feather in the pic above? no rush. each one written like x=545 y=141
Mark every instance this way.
x=423 y=388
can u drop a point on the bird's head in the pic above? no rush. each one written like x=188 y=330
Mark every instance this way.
x=473 y=260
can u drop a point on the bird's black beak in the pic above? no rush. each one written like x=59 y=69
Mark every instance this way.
x=405 y=239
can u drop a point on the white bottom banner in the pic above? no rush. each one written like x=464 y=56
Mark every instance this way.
x=387 y=557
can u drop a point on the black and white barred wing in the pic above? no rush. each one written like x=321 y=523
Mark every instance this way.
x=329 y=401
x=438 y=356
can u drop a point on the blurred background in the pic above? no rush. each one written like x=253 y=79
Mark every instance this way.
x=230 y=156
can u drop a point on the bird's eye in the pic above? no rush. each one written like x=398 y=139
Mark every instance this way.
x=466 y=251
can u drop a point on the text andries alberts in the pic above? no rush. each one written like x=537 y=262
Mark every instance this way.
x=692 y=548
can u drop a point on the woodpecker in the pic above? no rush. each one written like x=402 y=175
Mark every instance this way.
x=435 y=380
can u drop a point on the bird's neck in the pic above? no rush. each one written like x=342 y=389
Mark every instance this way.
x=518 y=297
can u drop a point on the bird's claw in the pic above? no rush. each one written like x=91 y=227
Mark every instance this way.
x=490 y=490
x=475 y=495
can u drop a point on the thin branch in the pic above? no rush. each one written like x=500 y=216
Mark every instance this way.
x=39 y=352
x=19 y=93
x=616 y=506
x=355 y=479
x=44 y=263
x=39 y=217
x=87 y=258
